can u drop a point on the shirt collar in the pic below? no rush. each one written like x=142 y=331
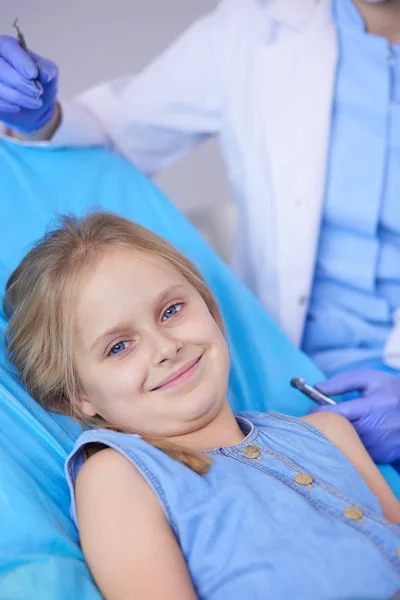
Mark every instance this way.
x=347 y=15
x=249 y=430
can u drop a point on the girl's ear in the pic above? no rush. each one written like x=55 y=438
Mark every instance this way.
x=84 y=405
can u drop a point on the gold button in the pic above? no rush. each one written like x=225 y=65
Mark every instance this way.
x=251 y=451
x=353 y=513
x=398 y=553
x=304 y=479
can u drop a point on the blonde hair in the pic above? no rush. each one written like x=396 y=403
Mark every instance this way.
x=39 y=300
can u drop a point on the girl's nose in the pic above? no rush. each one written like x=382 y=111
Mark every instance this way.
x=166 y=349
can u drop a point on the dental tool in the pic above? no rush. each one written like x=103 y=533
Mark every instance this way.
x=318 y=397
x=23 y=44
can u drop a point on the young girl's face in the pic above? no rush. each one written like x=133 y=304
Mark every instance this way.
x=149 y=355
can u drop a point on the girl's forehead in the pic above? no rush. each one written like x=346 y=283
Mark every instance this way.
x=132 y=270
x=137 y=263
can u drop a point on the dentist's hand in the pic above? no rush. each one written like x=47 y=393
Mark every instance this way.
x=375 y=415
x=20 y=108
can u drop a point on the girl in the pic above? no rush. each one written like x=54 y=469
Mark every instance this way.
x=174 y=496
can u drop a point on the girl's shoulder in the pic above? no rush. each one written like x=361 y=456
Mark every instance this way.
x=326 y=430
x=302 y=438
x=98 y=451
x=105 y=472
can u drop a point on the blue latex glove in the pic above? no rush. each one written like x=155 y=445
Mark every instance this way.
x=375 y=415
x=19 y=106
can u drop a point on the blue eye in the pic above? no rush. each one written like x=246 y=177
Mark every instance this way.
x=118 y=348
x=171 y=311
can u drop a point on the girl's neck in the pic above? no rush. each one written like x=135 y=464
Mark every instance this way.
x=222 y=431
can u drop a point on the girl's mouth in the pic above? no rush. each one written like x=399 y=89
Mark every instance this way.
x=180 y=376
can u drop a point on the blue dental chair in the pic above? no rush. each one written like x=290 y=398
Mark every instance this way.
x=40 y=556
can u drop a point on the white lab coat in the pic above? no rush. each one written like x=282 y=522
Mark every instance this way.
x=260 y=75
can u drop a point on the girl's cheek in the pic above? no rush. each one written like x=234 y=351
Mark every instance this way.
x=134 y=374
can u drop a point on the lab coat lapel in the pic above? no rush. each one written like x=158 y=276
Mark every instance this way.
x=298 y=76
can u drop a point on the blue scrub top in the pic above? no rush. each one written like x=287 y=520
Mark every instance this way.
x=357 y=275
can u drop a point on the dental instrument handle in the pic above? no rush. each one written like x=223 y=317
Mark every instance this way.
x=23 y=44
x=314 y=394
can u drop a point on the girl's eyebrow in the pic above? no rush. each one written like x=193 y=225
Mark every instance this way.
x=113 y=331
x=119 y=328
x=163 y=297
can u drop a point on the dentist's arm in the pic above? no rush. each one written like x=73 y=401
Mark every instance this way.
x=375 y=415
x=157 y=116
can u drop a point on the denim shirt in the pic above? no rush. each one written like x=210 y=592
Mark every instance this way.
x=282 y=515
x=357 y=275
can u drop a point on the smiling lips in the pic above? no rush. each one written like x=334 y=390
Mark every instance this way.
x=180 y=376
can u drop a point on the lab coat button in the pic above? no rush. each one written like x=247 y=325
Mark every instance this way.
x=302 y=300
x=304 y=479
x=251 y=451
x=353 y=513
